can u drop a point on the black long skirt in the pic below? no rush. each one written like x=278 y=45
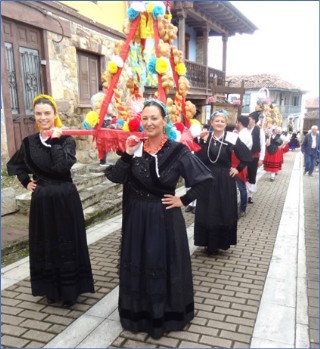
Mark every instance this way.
x=156 y=290
x=217 y=213
x=60 y=267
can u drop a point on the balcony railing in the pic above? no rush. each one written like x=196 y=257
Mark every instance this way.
x=196 y=74
x=285 y=110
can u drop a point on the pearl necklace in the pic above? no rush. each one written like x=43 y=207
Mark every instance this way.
x=215 y=143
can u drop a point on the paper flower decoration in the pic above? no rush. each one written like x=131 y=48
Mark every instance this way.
x=112 y=67
x=195 y=130
x=125 y=126
x=138 y=6
x=132 y=14
x=117 y=60
x=120 y=123
x=91 y=120
x=152 y=65
x=134 y=125
x=181 y=69
x=158 y=10
x=162 y=65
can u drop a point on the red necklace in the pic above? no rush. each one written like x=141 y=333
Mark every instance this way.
x=153 y=150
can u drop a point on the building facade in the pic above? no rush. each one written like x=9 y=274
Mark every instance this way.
x=287 y=97
x=61 y=48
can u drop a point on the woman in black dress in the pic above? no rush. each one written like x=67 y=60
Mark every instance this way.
x=156 y=290
x=60 y=267
x=217 y=215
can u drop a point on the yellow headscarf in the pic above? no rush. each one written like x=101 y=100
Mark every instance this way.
x=57 y=120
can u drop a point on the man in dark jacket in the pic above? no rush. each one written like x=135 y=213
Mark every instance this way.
x=310 y=147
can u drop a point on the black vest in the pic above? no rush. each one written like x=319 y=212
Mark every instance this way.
x=256 y=147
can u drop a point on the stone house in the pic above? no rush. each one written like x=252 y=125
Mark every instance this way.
x=283 y=94
x=311 y=116
x=53 y=47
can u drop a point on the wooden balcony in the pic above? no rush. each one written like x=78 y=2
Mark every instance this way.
x=202 y=78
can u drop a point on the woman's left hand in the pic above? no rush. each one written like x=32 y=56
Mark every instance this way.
x=132 y=144
x=233 y=172
x=56 y=132
x=171 y=201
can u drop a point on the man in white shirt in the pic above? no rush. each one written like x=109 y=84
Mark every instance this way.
x=245 y=136
x=258 y=151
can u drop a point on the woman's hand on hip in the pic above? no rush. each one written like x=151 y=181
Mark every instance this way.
x=31 y=186
x=171 y=201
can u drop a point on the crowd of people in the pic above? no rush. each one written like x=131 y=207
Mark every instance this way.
x=155 y=274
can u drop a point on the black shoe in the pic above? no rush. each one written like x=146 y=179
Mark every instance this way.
x=250 y=201
x=193 y=210
x=188 y=209
x=211 y=253
x=51 y=300
x=68 y=304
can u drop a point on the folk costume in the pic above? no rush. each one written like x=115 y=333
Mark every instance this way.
x=216 y=217
x=258 y=153
x=273 y=159
x=294 y=142
x=155 y=287
x=59 y=261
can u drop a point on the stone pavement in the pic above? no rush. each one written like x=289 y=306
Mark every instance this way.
x=261 y=293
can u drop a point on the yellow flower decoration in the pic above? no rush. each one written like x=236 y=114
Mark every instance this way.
x=92 y=118
x=181 y=69
x=125 y=127
x=162 y=65
x=112 y=67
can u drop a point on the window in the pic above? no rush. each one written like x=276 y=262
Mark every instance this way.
x=88 y=76
x=246 y=99
x=295 y=101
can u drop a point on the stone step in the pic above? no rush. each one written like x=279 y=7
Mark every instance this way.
x=105 y=208
x=91 y=183
x=88 y=180
x=93 y=195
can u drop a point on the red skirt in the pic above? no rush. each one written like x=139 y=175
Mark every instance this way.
x=273 y=162
x=285 y=149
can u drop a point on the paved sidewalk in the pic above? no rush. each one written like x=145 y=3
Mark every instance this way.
x=262 y=293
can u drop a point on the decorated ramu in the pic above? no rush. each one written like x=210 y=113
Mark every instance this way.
x=153 y=61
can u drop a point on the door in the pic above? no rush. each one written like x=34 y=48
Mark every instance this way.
x=22 y=47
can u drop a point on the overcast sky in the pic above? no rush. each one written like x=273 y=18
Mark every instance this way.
x=286 y=43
